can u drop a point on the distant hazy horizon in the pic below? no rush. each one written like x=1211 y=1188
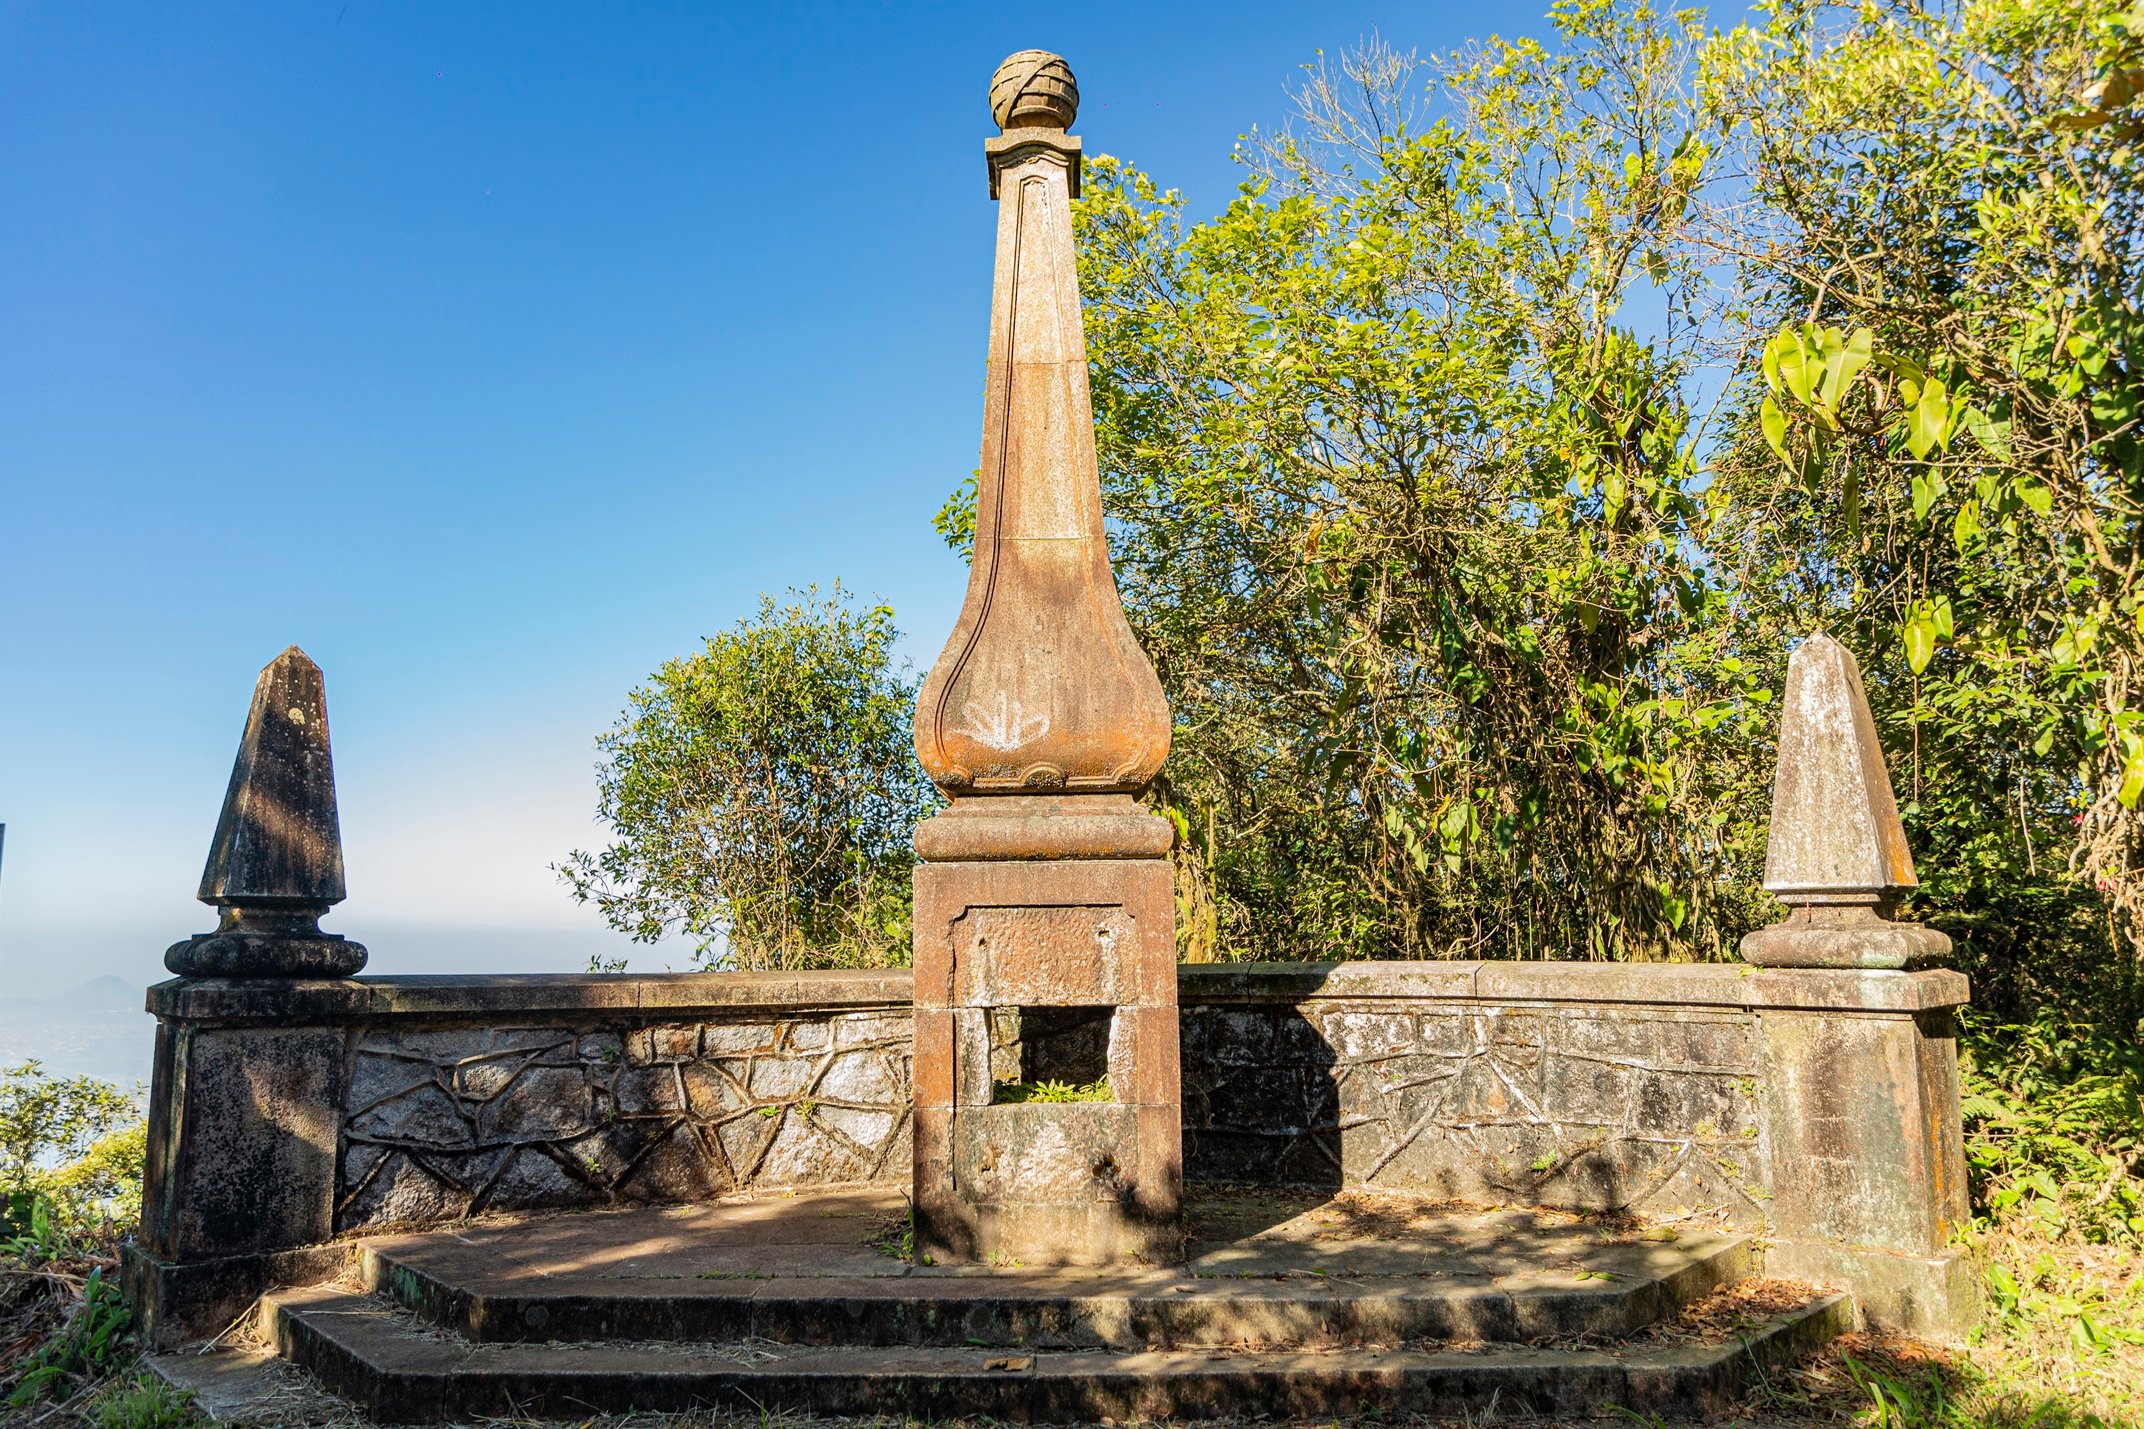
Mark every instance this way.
x=45 y=1014
x=45 y=964
x=494 y=355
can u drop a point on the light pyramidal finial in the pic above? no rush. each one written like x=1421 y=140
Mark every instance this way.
x=1837 y=854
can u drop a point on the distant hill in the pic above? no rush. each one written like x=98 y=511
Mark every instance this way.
x=101 y=994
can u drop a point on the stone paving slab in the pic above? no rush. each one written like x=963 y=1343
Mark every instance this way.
x=397 y=1370
x=821 y=1269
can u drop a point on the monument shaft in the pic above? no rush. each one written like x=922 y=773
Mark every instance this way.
x=1045 y=943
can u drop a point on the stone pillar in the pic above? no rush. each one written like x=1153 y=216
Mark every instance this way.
x=243 y=1114
x=1860 y=1089
x=275 y=863
x=1045 y=943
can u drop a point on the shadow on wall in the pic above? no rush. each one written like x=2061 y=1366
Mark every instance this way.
x=1577 y=1106
x=1261 y=1098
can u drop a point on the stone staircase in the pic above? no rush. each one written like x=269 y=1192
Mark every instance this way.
x=1288 y=1306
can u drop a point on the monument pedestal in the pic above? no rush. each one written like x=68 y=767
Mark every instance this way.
x=1045 y=957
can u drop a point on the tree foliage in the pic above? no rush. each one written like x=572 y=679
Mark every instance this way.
x=763 y=792
x=1939 y=448
x=71 y=1161
x=1473 y=472
x=1407 y=511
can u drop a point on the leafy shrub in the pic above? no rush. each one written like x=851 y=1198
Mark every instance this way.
x=2054 y=1118
x=95 y=1342
x=71 y=1155
x=1051 y=1091
x=763 y=792
x=146 y=1403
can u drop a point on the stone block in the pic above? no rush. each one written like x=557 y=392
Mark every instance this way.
x=1059 y=956
x=534 y=1180
x=1590 y=1090
x=675 y=1168
x=1862 y=1118
x=728 y=1038
x=423 y=1114
x=1934 y=1297
x=865 y=1078
x=1078 y=950
x=541 y=1103
x=244 y=1125
x=641 y=1091
x=1356 y=1035
x=180 y=1302
x=377 y=1077
x=779 y=1078
x=401 y=1190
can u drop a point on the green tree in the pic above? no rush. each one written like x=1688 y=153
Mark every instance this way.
x=1937 y=448
x=1401 y=456
x=71 y=1153
x=763 y=792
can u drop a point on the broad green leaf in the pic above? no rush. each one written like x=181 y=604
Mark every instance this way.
x=1993 y=436
x=1928 y=488
x=1926 y=420
x=1920 y=635
x=1775 y=427
x=1843 y=360
x=1796 y=362
x=1966 y=531
x=2132 y=782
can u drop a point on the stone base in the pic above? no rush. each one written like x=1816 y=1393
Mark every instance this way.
x=1039 y=968
x=1933 y=1297
x=248 y=955
x=177 y=1303
x=1274 y=1318
x=1821 y=936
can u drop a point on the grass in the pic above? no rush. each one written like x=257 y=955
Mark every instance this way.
x=1011 y=1093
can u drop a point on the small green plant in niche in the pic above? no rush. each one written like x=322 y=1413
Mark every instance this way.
x=1005 y=1093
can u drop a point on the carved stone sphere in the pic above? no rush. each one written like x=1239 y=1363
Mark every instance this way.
x=1034 y=88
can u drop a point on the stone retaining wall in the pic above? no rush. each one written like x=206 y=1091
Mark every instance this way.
x=1580 y=1105
x=1816 y=1105
x=445 y=1122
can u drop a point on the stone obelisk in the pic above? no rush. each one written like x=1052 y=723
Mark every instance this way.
x=1836 y=854
x=1045 y=944
x=275 y=864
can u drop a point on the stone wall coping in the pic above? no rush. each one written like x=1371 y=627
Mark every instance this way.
x=1721 y=985
x=478 y=994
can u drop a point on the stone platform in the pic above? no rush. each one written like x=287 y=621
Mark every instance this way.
x=1288 y=1305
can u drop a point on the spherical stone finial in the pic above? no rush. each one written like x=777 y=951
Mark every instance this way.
x=1034 y=88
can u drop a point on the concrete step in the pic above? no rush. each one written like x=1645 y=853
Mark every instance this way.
x=398 y=1368
x=1050 y=1311
x=815 y=1270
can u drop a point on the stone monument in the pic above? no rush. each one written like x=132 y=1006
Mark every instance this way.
x=1045 y=946
x=239 y=1189
x=275 y=864
x=1837 y=854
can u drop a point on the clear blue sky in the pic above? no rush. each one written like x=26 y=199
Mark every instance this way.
x=493 y=354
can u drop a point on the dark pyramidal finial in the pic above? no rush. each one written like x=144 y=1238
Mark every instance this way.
x=275 y=865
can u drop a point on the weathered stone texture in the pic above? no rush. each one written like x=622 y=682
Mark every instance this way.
x=1596 y=1107
x=442 y=1123
x=241 y=1139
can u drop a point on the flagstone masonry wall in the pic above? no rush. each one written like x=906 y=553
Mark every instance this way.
x=1816 y=1105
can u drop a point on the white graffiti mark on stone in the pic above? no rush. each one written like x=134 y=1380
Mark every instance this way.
x=1006 y=727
